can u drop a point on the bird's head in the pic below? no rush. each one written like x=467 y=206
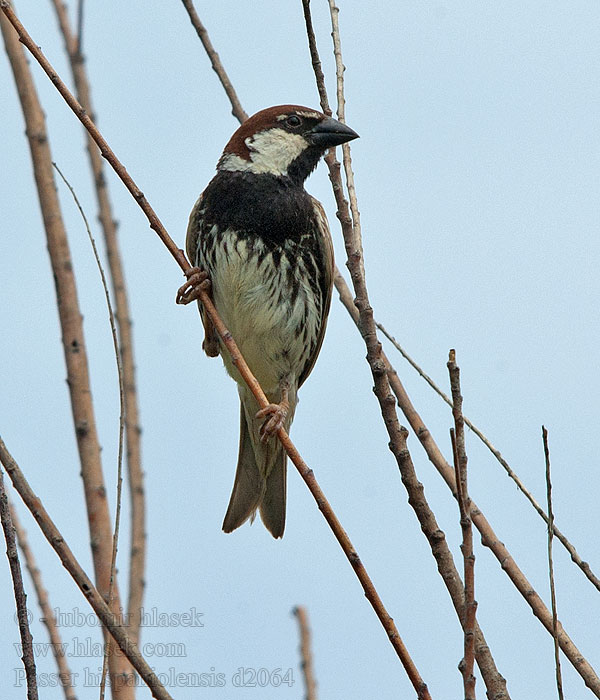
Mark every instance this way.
x=284 y=141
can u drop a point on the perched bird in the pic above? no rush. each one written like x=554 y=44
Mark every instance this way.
x=263 y=244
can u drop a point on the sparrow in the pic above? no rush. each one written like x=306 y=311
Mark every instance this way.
x=261 y=246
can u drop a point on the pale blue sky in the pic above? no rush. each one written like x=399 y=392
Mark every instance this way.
x=477 y=174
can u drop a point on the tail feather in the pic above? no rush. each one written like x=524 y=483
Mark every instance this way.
x=272 y=504
x=248 y=486
x=260 y=477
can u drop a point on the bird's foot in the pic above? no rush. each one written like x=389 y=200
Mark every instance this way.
x=274 y=415
x=197 y=282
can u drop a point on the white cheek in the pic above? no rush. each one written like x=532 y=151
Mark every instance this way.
x=271 y=151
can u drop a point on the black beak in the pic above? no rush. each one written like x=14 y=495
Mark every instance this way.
x=330 y=132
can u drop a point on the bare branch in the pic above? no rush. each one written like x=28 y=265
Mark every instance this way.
x=315 y=59
x=137 y=553
x=47 y=618
x=464 y=504
x=236 y=108
x=20 y=595
x=306 y=653
x=110 y=621
x=551 y=565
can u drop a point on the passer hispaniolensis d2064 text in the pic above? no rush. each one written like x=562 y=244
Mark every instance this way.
x=264 y=244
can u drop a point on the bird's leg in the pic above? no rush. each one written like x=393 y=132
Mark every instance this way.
x=197 y=281
x=274 y=414
x=210 y=344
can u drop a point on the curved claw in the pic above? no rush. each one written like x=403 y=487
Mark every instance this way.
x=274 y=415
x=197 y=282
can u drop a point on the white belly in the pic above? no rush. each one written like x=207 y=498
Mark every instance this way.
x=272 y=332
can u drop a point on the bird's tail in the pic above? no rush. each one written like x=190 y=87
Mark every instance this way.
x=260 y=477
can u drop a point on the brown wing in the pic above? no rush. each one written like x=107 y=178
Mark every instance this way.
x=326 y=249
x=211 y=340
x=193 y=230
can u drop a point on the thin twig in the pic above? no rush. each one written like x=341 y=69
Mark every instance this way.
x=237 y=359
x=457 y=436
x=236 y=108
x=306 y=663
x=137 y=550
x=110 y=621
x=575 y=557
x=315 y=59
x=20 y=595
x=73 y=339
x=64 y=673
x=551 y=566
x=113 y=329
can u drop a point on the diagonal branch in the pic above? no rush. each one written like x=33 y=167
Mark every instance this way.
x=493 y=679
x=237 y=359
x=236 y=108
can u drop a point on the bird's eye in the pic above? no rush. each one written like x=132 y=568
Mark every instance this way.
x=293 y=121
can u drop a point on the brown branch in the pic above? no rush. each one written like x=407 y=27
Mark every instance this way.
x=47 y=618
x=108 y=647
x=575 y=557
x=72 y=336
x=137 y=554
x=236 y=108
x=237 y=359
x=551 y=566
x=493 y=679
x=306 y=653
x=464 y=504
x=110 y=621
x=315 y=59
x=20 y=595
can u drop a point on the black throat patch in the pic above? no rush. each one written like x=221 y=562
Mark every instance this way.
x=275 y=209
